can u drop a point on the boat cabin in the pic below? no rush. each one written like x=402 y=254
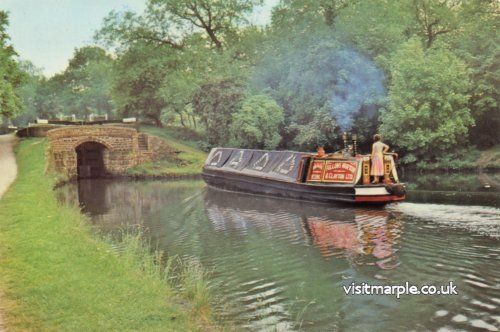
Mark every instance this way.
x=336 y=168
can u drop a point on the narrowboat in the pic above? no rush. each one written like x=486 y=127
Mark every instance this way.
x=343 y=176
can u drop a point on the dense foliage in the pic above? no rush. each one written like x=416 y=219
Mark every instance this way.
x=256 y=124
x=11 y=76
x=84 y=88
x=428 y=111
x=425 y=74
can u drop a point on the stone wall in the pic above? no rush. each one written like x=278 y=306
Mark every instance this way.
x=36 y=130
x=122 y=148
x=157 y=148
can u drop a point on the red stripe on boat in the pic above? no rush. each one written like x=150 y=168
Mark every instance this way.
x=385 y=198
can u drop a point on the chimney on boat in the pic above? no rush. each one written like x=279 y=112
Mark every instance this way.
x=354 y=144
x=344 y=138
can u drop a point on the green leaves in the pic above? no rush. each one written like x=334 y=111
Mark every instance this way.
x=83 y=88
x=215 y=102
x=428 y=110
x=171 y=22
x=11 y=76
x=256 y=124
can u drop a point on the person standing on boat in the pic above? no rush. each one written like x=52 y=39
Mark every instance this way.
x=378 y=150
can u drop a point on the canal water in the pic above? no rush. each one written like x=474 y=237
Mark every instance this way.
x=280 y=265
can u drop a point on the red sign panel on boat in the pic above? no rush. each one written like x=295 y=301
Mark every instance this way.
x=340 y=171
x=316 y=170
x=333 y=171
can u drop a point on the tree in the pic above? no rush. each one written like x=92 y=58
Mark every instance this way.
x=376 y=27
x=167 y=52
x=138 y=75
x=319 y=131
x=169 y=22
x=83 y=88
x=293 y=14
x=177 y=91
x=49 y=98
x=215 y=102
x=436 y=17
x=256 y=124
x=215 y=18
x=28 y=93
x=12 y=76
x=428 y=112
x=478 y=45
x=88 y=79
x=196 y=66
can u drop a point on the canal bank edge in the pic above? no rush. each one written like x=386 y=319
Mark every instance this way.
x=8 y=169
x=56 y=275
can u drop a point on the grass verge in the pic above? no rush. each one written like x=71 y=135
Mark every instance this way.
x=56 y=275
x=188 y=160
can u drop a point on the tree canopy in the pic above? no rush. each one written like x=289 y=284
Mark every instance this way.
x=425 y=74
x=257 y=123
x=428 y=111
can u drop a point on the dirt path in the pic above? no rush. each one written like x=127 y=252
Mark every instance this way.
x=8 y=167
x=8 y=171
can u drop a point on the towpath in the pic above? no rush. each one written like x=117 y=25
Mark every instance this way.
x=8 y=171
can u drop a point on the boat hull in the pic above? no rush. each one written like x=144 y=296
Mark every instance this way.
x=325 y=193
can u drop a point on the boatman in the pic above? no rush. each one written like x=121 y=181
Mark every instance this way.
x=378 y=150
x=321 y=152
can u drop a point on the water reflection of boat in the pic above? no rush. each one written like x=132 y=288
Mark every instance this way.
x=340 y=230
x=328 y=235
x=304 y=176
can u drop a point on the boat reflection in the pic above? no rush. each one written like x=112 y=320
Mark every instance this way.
x=339 y=230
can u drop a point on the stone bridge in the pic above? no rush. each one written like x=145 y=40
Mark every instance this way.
x=100 y=150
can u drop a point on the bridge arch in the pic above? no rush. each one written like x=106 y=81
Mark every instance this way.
x=95 y=139
x=90 y=159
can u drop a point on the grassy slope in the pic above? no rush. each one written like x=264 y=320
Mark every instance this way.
x=189 y=161
x=469 y=160
x=490 y=158
x=56 y=276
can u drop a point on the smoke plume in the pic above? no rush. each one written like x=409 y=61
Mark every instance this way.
x=322 y=76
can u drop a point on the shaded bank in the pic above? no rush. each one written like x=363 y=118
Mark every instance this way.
x=55 y=275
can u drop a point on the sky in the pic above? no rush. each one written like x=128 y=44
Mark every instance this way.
x=46 y=32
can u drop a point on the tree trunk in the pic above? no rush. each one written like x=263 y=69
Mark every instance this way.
x=213 y=37
x=194 y=121
x=182 y=120
x=430 y=37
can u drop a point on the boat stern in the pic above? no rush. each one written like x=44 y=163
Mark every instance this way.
x=380 y=193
